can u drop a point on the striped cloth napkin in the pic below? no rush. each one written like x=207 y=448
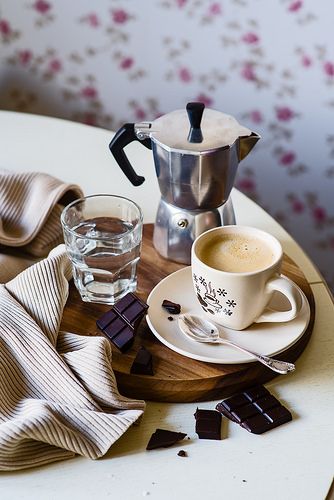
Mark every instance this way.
x=30 y=208
x=58 y=393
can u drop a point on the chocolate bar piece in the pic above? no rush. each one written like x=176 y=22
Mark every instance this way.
x=142 y=364
x=132 y=309
x=208 y=423
x=171 y=307
x=122 y=321
x=162 y=438
x=124 y=339
x=255 y=409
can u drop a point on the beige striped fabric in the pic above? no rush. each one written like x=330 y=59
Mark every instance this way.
x=30 y=208
x=58 y=393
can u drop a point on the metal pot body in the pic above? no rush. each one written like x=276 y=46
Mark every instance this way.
x=196 y=181
x=196 y=155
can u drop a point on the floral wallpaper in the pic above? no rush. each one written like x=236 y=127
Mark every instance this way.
x=270 y=64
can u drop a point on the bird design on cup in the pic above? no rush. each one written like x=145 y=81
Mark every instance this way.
x=208 y=297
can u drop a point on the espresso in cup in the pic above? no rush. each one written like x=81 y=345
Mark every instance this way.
x=235 y=272
x=235 y=253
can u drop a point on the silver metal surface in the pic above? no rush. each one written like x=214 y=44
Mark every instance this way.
x=196 y=182
x=171 y=131
x=201 y=330
x=176 y=229
x=195 y=179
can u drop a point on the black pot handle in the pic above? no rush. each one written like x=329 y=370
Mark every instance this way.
x=122 y=138
x=195 y=113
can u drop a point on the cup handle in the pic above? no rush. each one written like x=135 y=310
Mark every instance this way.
x=291 y=292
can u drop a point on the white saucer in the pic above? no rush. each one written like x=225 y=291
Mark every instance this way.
x=265 y=338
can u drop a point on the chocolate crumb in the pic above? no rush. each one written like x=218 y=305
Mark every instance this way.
x=182 y=453
x=170 y=318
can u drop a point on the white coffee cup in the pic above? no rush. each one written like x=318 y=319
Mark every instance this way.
x=235 y=272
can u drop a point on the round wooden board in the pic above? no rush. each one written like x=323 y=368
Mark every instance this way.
x=176 y=378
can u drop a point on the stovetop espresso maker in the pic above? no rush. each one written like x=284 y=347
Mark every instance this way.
x=196 y=154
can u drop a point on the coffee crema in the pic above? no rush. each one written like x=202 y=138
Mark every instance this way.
x=236 y=253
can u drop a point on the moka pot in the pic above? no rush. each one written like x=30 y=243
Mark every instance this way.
x=196 y=154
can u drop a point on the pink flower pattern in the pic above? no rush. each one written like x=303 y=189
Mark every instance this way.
x=126 y=63
x=215 y=9
x=295 y=6
x=181 y=3
x=120 y=16
x=223 y=57
x=284 y=113
x=247 y=72
x=185 y=75
x=25 y=56
x=319 y=214
x=246 y=184
x=140 y=114
x=89 y=92
x=42 y=6
x=93 y=20
x=250 y=38
x=287 y=158
x=306 y=61
x=55 y=65
x=329 y=68
x=298 y=207
x=5 y=28
x=205 y=99
x=256 y=116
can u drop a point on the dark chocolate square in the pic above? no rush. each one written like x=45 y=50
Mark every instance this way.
x=208 y=424
x=115 y=327
x=256 y=392
x=207 y=414
x=278 y=415
x=235 y=402
x=107 y=318
x=124 y=302
x=257 y=424
x=265 y=403
x=243 y=412
x=224 y=411
x=124 y=339
x=133 y=312
x=142 y=364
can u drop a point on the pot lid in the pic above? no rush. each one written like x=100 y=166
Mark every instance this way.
x=196 y=129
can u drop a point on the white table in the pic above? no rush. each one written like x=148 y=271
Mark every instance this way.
x=294 y=461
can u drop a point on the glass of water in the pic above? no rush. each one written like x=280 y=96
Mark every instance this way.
x=103 y=236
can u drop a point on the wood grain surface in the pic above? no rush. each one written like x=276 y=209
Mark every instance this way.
x=177 y=378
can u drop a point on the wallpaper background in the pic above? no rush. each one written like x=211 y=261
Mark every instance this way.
x=268 y=63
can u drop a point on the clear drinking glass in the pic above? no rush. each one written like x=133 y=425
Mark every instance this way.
x=103 y=239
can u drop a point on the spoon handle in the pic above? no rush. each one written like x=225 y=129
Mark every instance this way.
x=276 y=365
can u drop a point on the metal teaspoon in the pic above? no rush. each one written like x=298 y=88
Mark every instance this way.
x=201 y=330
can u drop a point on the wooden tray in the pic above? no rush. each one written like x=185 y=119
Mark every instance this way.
x=177 y=378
